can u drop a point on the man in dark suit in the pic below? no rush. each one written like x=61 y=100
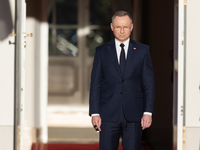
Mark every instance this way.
x=122 y=88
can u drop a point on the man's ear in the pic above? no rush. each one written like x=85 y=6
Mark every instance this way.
x=132 y=26
x=111 y=26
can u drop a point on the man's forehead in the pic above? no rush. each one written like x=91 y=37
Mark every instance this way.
x=122 y=19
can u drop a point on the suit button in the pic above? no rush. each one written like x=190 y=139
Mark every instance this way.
x=121 y=93
x=122 y=80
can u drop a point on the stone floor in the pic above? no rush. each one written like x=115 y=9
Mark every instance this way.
x=72 y=135
x=70 y=123
x=68 y=116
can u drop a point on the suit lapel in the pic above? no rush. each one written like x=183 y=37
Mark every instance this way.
x=130 y=56
x=113 y=55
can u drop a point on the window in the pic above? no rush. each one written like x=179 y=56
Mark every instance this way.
x=64 y=25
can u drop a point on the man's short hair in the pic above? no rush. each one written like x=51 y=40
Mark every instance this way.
x=121 y=14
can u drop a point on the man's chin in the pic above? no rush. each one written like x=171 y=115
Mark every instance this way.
x=121 y=39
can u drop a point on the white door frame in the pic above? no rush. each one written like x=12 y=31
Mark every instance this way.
x=179 y=67
x=19 y=73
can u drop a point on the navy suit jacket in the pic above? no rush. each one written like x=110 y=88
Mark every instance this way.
x=111 y=92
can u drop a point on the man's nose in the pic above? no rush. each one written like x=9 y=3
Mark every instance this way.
x=122 y=30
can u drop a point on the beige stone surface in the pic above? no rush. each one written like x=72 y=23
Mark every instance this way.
x=68 y=116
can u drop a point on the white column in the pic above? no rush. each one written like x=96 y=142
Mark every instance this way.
x=42 y=80
x=192 y=104
x=29 y=122
x=181 y=77
x=37 y=78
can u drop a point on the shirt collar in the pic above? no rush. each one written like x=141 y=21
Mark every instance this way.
x=117 y=43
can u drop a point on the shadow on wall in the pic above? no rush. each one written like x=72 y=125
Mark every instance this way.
x=6 y=23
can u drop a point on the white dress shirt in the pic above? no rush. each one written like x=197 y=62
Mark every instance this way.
x=118 y=50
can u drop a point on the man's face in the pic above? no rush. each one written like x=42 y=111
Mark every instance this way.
x=122 y=27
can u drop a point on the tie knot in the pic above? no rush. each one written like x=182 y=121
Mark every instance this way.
x=122 y=45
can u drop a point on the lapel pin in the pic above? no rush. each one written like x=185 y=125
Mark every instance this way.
x=134 y=48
